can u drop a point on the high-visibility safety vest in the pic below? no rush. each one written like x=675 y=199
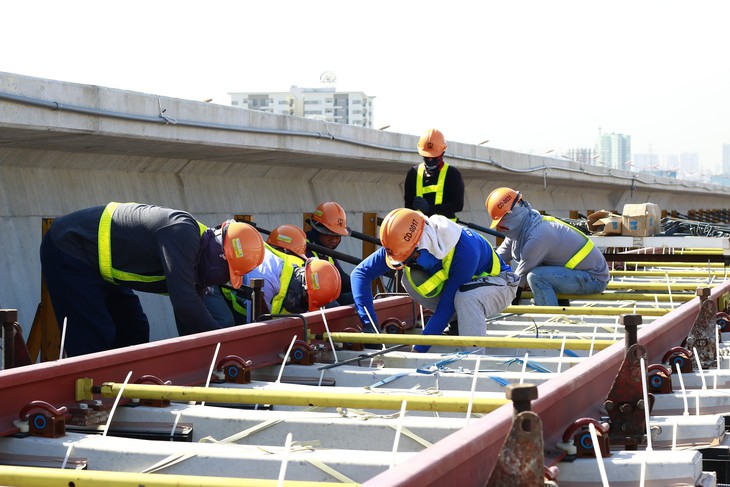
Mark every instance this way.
x=437 y=188
x=287 y=270
x=277 y=303
x=108 y=272
x=235 y=303
x=583 y=252
x=434 y=285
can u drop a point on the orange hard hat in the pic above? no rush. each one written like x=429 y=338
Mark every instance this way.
x=399 y=233
x=244 y=249
x=432 y=144
x=330 y=218
x=500 y=202
x=291 y=238
x=323 y=283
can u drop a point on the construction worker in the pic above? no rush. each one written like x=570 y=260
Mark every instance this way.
x=229 y=308
x=549 y=255
x=447 y=269
x=434 y=187
x=291 y=240
x=329 y=225
x=290 y=288
x=94 y=259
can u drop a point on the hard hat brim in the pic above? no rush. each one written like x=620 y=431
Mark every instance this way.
x=426 y=153
x=322 y=229
x=236 y=280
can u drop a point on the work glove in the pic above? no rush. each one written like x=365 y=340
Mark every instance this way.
x=516 y=301
x=420 y=204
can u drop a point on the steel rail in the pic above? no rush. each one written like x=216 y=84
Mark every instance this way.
x=463 y=458
x=182 y=360
x=468 y=456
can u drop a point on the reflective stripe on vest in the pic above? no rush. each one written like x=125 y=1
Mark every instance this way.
x=287 y=271
x=583 y=252
x=434 y=285
x=107 y=271
x=233 y=299
x=437 y=188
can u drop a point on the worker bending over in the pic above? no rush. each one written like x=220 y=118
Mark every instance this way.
x=549 y=255
x=230 y=308
x=329 y=225
x=434 y=187
x=94 y=259
x=447 y=268
x=291 y=288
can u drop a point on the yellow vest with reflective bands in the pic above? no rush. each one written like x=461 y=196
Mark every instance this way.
x=287 y=270
x=231 y=296
x=434 y=285
x=437 y=188
x=108 y=272
x=583 y=252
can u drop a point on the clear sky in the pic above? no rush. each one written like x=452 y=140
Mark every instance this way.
x=530 y=76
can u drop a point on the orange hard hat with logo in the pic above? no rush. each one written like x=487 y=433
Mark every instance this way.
x=432 y=143
x=400 y=233
x=500 y=202
x=244 y=249
x=291 y=238
x=330 y=218
x=323 y=283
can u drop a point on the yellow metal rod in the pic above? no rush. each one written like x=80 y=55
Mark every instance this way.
x=584 y=310
x=701 y=274
x=471 y=341
x=315 y=397
x=54 y=477
x=622 y=296
x=698 y=251
x=656 y=286
x=696 y=265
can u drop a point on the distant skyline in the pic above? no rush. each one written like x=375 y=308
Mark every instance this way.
x=529 y=76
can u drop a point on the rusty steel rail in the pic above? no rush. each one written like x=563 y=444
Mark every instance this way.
x=466 y=457
x=182 y=360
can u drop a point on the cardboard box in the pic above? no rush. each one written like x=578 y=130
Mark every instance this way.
x=641 y=220
x=604 y=223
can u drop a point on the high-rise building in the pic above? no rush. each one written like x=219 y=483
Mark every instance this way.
x=348 y=107
x=614 y=150
x=689 y=163
x=581 y=154
x=726 y=158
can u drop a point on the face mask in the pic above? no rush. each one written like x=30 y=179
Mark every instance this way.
x=426 y=260
x=512 y=221
x=431 y=163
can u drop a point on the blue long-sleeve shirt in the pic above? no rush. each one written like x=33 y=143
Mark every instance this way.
x=472 y=256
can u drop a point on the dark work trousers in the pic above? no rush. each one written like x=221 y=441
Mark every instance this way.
x=100 y=315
